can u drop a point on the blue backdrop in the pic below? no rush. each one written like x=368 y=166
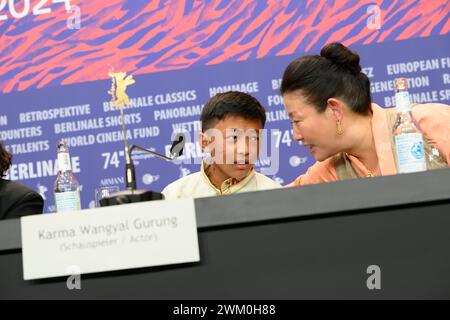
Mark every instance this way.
x=54 y=75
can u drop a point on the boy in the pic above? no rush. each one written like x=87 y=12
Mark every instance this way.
x=231 y=125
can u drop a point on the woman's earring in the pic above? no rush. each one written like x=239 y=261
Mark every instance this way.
x=339 y=129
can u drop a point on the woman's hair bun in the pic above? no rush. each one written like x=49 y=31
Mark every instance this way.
x=342 y=56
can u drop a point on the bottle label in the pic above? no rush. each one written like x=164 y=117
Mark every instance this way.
x=410 y=153
x=64 y=162
x=67 y=201
x=403 y=103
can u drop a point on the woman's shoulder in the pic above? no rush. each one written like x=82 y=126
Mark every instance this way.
x=435 y=110
x=319 y=172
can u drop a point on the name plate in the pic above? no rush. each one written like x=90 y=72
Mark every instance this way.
x=108 y=239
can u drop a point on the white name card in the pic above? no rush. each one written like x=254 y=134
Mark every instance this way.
x=107 y=239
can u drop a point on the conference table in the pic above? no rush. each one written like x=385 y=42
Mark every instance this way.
x=312 y=242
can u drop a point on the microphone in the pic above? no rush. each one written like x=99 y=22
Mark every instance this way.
x=131 y=195
x=178 y=145
x=176 y=150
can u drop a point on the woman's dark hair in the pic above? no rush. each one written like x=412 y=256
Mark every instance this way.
x=5 y=160
x=335 y=73
x=232 y=103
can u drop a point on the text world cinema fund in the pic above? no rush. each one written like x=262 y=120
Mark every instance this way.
x=110 y=137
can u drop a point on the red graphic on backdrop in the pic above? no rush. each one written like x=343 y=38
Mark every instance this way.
x=142 y=36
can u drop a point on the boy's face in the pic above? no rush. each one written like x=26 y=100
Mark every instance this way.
x=233 y=143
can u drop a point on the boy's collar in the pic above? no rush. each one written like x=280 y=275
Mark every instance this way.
x=230 y=185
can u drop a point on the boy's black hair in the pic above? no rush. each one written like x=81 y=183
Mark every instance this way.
x=232 y=103
x=5 y=160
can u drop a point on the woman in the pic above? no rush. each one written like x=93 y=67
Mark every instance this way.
x=15 y=199
x=328 y=101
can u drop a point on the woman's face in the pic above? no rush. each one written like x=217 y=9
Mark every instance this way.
x=317 y=131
